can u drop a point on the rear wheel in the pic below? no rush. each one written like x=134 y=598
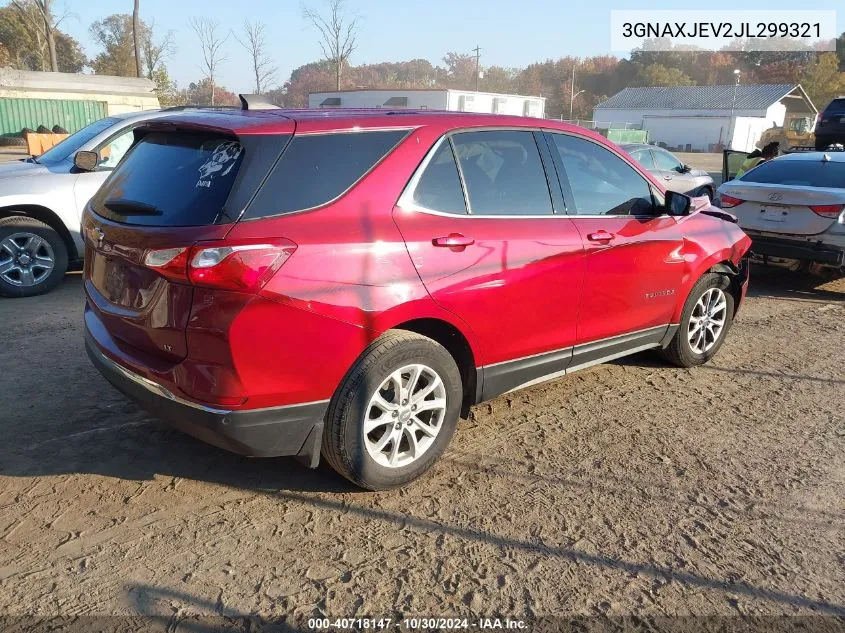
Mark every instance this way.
x=705 y=321
x=33 y=257
x=394 y=413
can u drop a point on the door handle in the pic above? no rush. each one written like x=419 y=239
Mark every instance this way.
x=600 y=236
x=667 y=177
x=453 y=240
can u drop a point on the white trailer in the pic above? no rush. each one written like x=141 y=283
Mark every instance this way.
x=431 y=99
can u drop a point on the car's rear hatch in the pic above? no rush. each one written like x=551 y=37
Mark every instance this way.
x=185 y=181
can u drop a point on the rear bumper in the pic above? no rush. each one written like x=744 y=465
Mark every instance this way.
x=276 y=431
x=775 y=247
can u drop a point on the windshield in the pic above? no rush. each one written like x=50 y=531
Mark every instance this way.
x=72 y=143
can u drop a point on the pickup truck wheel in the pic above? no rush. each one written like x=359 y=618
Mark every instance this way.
x=705 y=321
x=33 y=257
x=394 y=412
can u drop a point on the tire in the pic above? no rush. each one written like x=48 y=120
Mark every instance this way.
x=358 y=457
x=17 y=232
x=682 y=349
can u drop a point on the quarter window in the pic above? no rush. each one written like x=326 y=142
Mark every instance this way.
x=316 y=169
x=439 y=187
x=503 y=173
x=600 y=181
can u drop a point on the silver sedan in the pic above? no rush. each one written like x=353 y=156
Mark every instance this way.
x=675 y=175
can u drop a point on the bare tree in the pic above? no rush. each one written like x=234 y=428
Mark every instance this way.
x=338 y=31
x=211 y=44
x=254 y=41
x=136 y=36
x=47 y=25
x=155 y=52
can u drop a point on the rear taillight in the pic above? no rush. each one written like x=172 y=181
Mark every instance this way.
x=240 y=266
x=728 y=202
x=827 y=210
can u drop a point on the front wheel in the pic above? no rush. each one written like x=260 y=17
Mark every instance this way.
x=394 y=412
x=33 y=257
x=705 y=321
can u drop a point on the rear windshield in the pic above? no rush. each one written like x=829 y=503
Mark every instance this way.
x=171 y=179
x=837 y=105
x=802 y=173
x=316 y=169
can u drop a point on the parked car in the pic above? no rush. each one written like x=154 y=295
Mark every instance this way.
x=42 y=198
x=350 y=282
x=674 y=175
x=830 y=127
x=793 y=206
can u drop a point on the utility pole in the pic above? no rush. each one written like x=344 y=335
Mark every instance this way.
x=572 y=93
x=731 y=123
x=477 y=51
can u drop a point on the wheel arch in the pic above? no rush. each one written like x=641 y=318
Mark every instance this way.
x=48 y=217
x=457 y=344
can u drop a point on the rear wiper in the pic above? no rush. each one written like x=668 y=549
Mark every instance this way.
x=130 y=207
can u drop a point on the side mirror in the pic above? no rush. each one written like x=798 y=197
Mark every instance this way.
x=685 y=169
x=677 y=203
x=86 y=161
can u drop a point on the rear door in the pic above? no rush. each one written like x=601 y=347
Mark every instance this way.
x=173 y=189
x=484 y=236
x=633 y=262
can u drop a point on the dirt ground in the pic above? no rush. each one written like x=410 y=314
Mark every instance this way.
x=632 y=488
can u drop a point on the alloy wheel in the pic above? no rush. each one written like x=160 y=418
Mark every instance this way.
x=404 y=416
x=707 y=320
x=26 y=259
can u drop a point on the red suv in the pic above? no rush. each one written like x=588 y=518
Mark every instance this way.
x=298 y=282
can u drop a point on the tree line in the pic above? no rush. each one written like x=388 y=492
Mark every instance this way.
x=31 y=38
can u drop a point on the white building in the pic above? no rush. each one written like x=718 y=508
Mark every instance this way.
x=431 y=99
x=705 y=118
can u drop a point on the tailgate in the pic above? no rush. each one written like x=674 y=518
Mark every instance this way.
x=174 y=188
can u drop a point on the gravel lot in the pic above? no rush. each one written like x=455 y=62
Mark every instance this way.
x=629 y=489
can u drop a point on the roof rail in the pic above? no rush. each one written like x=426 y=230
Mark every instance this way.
x=256 y=102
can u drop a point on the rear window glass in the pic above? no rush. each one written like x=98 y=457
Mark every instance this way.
x=837 y=105
x=316 y=169
x=803 y=173
x=171 y=179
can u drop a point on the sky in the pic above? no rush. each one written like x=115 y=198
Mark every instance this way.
x=510 y=33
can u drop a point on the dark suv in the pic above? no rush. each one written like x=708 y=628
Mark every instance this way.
x=348 y=283
x=830 y=128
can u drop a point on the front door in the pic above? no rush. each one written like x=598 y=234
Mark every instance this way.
x=634 y=264
x=485 y=240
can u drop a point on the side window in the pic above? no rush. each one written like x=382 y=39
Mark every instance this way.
x=317 y=168
x=600 y=181
x=643 y=157
x=665 y=161
x=111 y=152
x=439 y=187
x=503 y=173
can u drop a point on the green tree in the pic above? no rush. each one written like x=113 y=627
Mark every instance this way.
x=23 y=37
x=840 y=51
x=166 y=90
x=660 y=75
x=823 y=80
x=114 y=34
